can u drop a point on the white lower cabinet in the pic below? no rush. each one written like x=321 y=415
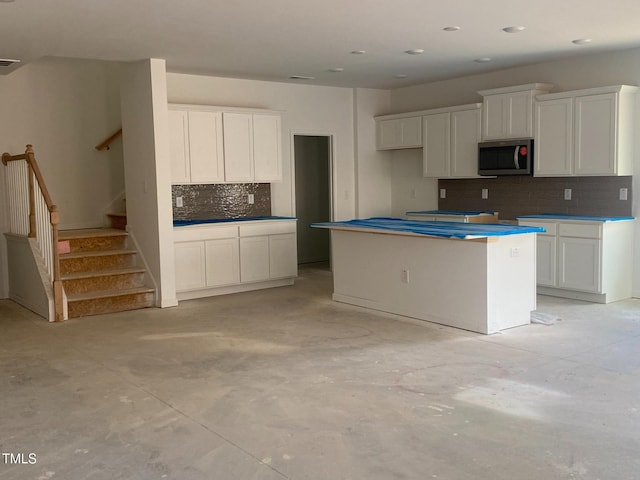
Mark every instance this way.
x=281 y=263
x=579 y=264
x=222 y=262
x=190 y=267
x=546 y=260
x=588 y=260
x=234 y=257
x=254 y=259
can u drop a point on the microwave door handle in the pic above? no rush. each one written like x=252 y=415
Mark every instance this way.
x=516 y=158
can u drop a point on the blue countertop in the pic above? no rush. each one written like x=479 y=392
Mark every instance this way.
x=560 y=216
x=448 y=212
x=185 y=223
x=457 y=230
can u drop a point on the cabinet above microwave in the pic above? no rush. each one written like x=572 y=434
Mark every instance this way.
x=508 y=112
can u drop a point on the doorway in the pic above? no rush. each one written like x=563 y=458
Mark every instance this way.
x=312 y=157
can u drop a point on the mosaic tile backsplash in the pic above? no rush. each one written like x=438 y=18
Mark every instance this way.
x=513 y=196
x=203 y=202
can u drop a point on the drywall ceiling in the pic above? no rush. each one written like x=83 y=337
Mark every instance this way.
x=275 y=39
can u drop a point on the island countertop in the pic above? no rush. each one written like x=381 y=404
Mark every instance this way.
x=453 y=230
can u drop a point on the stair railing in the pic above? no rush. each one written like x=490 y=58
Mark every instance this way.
x=33 y=214
x=104 y=145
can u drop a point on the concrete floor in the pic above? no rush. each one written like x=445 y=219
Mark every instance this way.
x=286 y=384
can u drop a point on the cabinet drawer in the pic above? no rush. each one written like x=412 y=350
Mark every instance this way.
x=580 y=230
x=550 y=228
x=186 y=234
x=267 y=228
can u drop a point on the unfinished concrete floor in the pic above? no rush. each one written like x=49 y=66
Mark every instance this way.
x=286 y=384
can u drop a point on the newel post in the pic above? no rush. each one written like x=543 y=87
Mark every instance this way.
x=58 y=291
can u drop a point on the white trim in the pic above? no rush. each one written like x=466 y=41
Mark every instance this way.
x=332 y=166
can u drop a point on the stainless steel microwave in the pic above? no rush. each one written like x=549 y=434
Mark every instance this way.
x=506 y=157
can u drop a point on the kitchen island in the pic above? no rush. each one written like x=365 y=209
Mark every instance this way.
x=476 y=277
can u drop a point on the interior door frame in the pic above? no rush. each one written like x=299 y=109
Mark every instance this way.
x=332 y=167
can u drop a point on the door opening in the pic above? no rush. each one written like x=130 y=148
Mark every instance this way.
x=312 y=154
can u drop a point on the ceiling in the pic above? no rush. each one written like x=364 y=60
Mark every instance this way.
x=275 y=39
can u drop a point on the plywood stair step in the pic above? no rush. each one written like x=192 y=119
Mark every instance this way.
x=109 y=301
x=99 y=272
x=81 y=282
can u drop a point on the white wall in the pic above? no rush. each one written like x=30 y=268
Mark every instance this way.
x=373 y=168
x=586 y=71
x=64 y=108
x=306 y=109
x=147 y=170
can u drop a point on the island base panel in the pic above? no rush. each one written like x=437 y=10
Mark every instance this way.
x=479 y=285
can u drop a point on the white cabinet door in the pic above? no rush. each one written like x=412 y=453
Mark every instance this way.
x=494 y=124
x=206 y=156
x=238 y=147
x=179 y=146
x=254 y=259
x=267 y=152
x=519 y=115
x=579 y=264
x=223 y=262
x=508 y=115
x=436 y=137
x=546 y=260
x=554 y=137
x=283 y=261
x=190 y=265
x=595 y=134
x=410 y=132
x=465 y=135
x=399 y=133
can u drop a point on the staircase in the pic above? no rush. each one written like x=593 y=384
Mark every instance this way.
x=99 y=272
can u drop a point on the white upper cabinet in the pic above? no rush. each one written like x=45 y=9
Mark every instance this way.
x=267 y=148
x=396 y=133
x=238 y=147
x=553 y=148
x=211 y=145
x=585 y=132
x=451 y=139
x=508 y=112
x=195 y=139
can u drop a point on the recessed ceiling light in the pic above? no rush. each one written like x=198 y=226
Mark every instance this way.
x=400 y=75
x=415 y=51
x=301 y=77
x=7 y=62
x=358 y=52
x=451 y=29
x=581 y=41
x=336 y=69
x=482 y=60
x=514 y=29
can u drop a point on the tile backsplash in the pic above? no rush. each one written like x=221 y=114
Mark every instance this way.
x=513 y=196
x=230 y=200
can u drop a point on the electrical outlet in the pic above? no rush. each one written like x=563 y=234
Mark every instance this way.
x=485 y=193
x=623 y=194
x=250 y=199
x=567 y=194
x=405 y=276
x=179 y=202
x=443 y=193
x=515 y=252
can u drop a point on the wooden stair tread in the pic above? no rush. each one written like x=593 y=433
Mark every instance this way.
x=77 y=297
x=98 y=253
x=102 y=273
x=89 y=233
